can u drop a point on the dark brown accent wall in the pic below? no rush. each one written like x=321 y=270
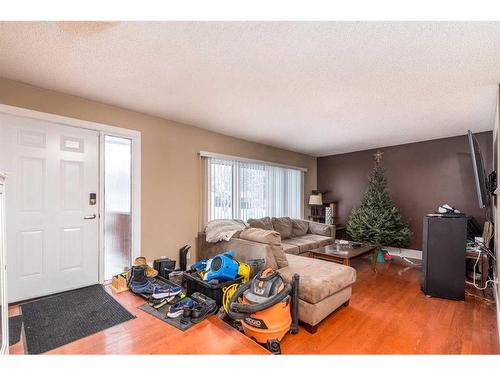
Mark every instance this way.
x=421 y=176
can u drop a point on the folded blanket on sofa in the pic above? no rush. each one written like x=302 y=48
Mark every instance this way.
x=223 y=229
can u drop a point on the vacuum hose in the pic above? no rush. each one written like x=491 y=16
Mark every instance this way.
x=239 y=311
x=232 y=302
x=294 y=328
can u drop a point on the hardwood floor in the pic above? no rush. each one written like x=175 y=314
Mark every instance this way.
x=388 y=314
x=148 y=335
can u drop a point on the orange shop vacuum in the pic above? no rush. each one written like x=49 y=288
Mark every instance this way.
x=268 y=308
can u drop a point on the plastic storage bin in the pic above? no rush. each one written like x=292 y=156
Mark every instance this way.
x=214 y=291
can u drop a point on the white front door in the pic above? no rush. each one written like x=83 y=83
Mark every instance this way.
x=52 y=225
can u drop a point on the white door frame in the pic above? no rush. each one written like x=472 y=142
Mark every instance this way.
x=103 y=130
x=4 y=348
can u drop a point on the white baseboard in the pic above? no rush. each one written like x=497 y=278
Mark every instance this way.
x=404 y=253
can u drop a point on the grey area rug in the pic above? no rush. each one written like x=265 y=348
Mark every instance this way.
x=57 y=320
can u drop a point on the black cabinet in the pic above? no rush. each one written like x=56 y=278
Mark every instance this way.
x=444 y=240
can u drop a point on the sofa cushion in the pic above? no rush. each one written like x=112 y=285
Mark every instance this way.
x=283 y=225
x=264 y=223
x=321 y=229
x=289 y=248
x=260 y=235
x=318 y=240
x=319 y=279
x=299 y=227
x=303 y=243
x=269 y=237
x=244 y=250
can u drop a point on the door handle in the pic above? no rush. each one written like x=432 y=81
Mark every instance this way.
x=90 y=217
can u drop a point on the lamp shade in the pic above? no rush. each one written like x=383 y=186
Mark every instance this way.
x=315 y=200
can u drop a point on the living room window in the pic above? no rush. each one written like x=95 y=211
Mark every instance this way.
x=240 y=189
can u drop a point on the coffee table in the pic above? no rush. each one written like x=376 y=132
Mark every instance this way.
x=345 y=255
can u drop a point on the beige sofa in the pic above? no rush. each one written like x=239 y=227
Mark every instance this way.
x=324 y=286
x=297 y=236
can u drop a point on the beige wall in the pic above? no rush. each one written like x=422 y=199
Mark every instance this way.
x=170 y=161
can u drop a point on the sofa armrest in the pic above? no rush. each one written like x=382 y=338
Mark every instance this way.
x=244 y=250
x=322 y=229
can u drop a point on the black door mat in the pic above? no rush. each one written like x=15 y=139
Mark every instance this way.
x=161 y=314
x=15 y=327
x=63 y=318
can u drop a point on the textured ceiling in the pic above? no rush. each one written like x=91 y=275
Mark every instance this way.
x=315 y=87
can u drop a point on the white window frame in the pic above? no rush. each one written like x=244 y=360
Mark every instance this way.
x=213 y=155
x=103 y=130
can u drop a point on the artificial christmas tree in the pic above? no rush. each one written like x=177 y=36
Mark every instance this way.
x=377 y=220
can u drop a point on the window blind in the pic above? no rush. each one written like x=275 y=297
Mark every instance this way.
x=244 y=189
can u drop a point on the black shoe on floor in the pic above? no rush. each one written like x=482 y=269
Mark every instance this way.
x=201 y=310
x=159 y=302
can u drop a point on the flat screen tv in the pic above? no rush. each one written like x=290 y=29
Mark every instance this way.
x=479 y=173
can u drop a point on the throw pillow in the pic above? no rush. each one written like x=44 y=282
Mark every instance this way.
x=320 y=228
x=271 y=238
x=284 y=226
x=264 y=223
x=299 y=227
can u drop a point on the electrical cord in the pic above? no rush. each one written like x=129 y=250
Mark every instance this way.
x=409 y=261
x=479 y=253
x=228 y=292
x=492 y=255
x=400 y=254
x=487 y=236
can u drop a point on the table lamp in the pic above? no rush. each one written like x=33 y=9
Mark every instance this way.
x=315 y=200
